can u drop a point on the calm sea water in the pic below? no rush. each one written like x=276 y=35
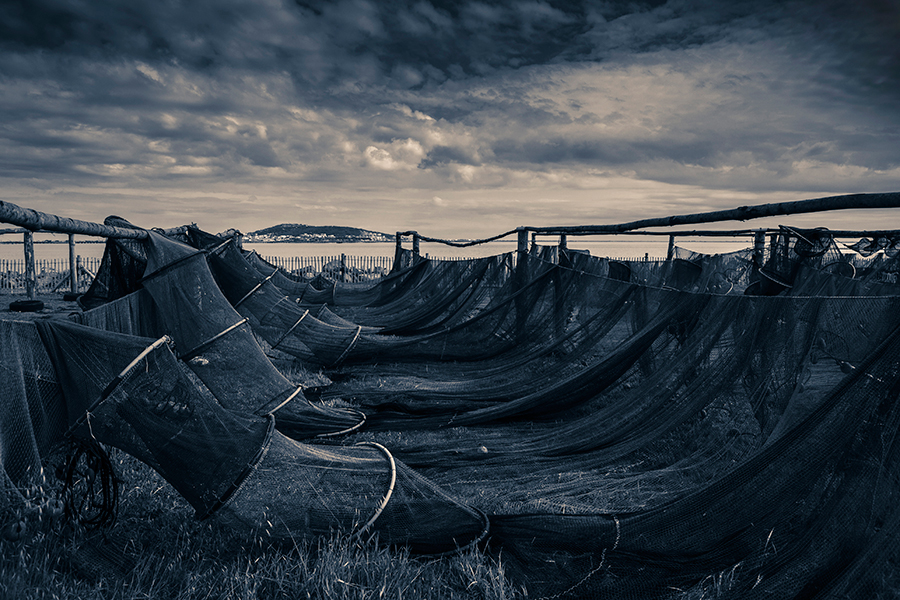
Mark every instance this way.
x=622 y=247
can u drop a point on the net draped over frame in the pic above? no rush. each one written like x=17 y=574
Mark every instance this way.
x=628 y=429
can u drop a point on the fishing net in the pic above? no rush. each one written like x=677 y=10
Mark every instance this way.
x=806 y=514
x=630 y=428
x=32 y=416
x=506 y=317
x=120 y=269
x=217 y=344
x=134 y=394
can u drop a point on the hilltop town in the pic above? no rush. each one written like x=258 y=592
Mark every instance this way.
x=294 y=232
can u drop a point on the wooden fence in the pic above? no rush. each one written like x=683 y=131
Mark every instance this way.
x=51 y=275
x=345 y=268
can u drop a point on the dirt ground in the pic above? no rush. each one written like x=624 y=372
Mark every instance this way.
x=54 y=307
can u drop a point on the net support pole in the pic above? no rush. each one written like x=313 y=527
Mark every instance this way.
x=670 y=253
x=415 y=244
x=521 y=279
x=398 y=251
x=35 y=220
x=522 y=240
x=73 y=270
x=759 y=247
x=30 y=279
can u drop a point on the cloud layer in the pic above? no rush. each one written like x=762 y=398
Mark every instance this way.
x=455 y=118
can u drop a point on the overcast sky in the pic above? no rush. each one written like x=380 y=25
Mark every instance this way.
x=457 y=119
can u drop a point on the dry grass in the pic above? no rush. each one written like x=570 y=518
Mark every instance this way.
x=157 y=549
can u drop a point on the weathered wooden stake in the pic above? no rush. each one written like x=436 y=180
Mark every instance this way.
x=73 y=271
x=415 y=244
x=759 y=247
x=522 y=241
x=30 y=280
x=670 y=253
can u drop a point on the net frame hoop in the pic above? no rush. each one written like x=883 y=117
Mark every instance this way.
x=255 y=288
x=204 y=345
x=114 y=383
x=286 y=400
x=362 y=421
x=290 y=329
x=355 y=536
x=348 y=348
x=238 y=483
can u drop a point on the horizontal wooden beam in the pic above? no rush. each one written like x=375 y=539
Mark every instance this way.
x=742 y=213
x=34 y=220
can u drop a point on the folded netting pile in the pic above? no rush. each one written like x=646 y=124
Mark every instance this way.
x=134 y=394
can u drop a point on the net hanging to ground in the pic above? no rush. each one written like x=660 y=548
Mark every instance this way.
x=741 y=433
x=134 y=394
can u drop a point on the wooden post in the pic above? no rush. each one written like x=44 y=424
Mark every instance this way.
x=670 y=253
x=759 y=247
x=343 y=267
x=73 y=271
x=522 y=241
x=78 y=269
x=30 y=280
x=521 y=279
x=533 y=240
x=563 y=242
x=415 y=244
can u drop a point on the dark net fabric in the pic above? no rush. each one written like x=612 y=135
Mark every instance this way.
x=32 y=412
x=300 y=491
x=134 y=314
x=220 y=348
x=134 y=394
x=321 y=290
x=120 y=269
x=504 y=322
x=803 y=516
x=153 y=409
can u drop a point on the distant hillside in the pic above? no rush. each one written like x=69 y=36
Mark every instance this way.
x=294 y=232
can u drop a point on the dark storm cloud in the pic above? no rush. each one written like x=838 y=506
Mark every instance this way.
x=364 y=98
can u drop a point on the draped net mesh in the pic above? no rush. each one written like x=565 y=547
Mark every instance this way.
x=608 y=428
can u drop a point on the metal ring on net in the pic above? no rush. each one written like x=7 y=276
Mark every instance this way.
x=378 y=512
x=118 y=379
x=362 y=421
